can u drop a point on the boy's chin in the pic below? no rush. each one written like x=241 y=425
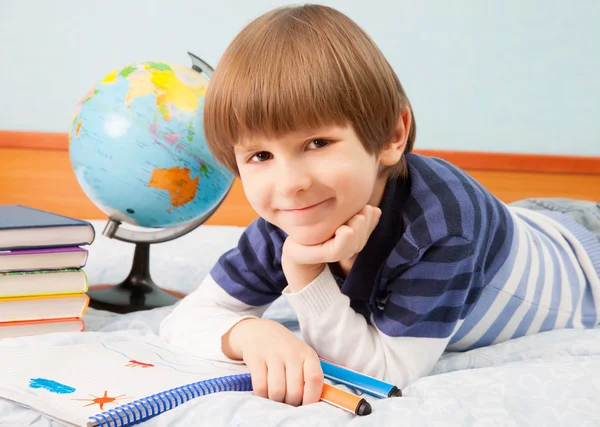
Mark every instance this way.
x=310 y=236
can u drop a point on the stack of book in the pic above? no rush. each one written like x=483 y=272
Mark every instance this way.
x=42 y=282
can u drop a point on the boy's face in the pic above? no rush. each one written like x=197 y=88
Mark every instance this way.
x=308 y=184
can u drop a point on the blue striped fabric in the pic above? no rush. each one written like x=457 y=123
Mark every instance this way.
x=447 y=259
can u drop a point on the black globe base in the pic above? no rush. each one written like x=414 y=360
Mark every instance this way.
x=137 y=292
x=125 y=299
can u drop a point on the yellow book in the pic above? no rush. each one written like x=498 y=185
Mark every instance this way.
x=43 y=307
x=42 y=282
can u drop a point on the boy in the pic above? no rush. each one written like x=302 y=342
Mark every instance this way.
x=388 y=258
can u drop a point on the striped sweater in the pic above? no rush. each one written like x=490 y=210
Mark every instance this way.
x=448 y=267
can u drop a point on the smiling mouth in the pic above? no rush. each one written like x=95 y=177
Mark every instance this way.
x=306 y=208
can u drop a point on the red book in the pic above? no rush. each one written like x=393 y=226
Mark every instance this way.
x=38 y=327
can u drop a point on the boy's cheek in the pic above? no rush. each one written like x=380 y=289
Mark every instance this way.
x=259 y=203
x=256 y=196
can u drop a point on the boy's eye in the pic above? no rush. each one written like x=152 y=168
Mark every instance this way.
x=261 y=156
x=319 y=143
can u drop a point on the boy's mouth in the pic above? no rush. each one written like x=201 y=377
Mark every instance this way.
x=305 y=208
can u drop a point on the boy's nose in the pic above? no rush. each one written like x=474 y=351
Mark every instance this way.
x=292 y=179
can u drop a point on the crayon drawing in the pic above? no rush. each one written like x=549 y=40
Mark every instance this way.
x=145 y=354
x=100 y=401
x=51 y=386
x=135 y=363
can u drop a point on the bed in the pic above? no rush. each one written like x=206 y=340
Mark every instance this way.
x=549 y=379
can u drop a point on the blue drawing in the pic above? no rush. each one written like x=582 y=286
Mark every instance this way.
x=51 y=386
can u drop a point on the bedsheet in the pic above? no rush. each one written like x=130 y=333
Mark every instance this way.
x=549 y=379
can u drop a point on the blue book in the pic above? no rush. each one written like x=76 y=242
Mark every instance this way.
x=22 y=227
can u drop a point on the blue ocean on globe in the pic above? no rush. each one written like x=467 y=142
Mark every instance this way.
x=137 y=146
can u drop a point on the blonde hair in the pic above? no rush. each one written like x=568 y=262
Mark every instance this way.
x=300 y=68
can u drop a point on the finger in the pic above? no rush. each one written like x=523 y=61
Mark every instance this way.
x=342 y=245
x=374 y=219
x=360 y=226
x=357 y=219
x=276 y=380
x=368 y=213
x=372 y=215
x=258 y=373
x=364 y=210
x=304 y=254
x=294 y=380
x=313 y=380
x=368 y=221
x=332 y=250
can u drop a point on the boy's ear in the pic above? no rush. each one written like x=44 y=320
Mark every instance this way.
x=392 y=152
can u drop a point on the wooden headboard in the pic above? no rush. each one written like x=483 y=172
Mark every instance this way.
x=35 y=170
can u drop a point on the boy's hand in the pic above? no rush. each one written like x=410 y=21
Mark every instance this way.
x=302 y=264
x=283 y=368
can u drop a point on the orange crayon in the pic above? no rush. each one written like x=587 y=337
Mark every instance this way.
x=344 y=400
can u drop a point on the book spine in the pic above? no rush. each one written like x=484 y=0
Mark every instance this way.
x=143 y=409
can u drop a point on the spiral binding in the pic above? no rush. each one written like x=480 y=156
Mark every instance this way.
x=138 y=411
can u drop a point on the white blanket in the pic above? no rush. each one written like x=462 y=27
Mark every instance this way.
x=550 y=379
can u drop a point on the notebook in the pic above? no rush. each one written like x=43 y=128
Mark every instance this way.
x=22 y=227
x=36 y=327
x=43 y=259
x=112 y=380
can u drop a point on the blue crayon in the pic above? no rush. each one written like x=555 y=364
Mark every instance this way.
x=359 y=381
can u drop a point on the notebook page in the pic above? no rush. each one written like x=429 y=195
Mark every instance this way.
x=73 y=382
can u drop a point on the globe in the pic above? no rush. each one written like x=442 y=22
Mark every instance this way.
x=137 y=146
x=138 y=151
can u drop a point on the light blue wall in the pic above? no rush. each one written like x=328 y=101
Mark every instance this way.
x=511 y=76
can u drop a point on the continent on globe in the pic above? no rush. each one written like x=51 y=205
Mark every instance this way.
x=138 y=149
x=167 y=87
x=178 y=182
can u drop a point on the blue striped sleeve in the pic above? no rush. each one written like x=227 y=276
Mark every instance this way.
x=251 y=272
x=427 y=298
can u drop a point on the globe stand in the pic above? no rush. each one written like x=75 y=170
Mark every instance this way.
x=138 y=291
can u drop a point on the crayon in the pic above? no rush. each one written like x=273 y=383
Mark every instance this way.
x=345 y=400
x=359 y=381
